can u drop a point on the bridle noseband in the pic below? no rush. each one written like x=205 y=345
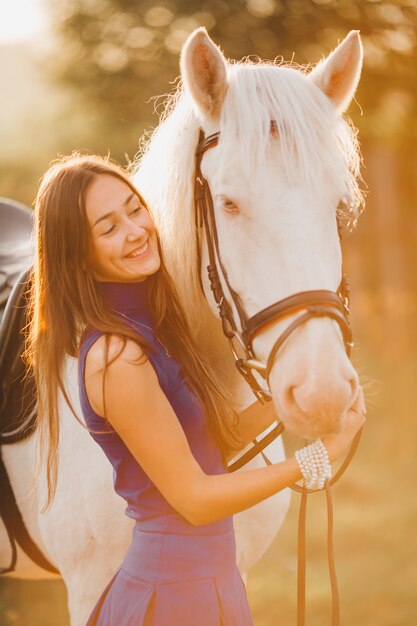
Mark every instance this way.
x=314 y=303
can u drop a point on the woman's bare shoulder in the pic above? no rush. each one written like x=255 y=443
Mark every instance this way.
x=108 y=350
x=122 y=358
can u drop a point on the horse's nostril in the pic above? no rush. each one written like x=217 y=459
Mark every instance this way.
x=290 y=396
x=354 y=385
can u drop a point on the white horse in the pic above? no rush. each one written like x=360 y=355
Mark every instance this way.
x=275 y=200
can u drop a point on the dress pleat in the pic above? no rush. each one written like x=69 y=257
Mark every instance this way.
x=181 y=589
x=125 y=601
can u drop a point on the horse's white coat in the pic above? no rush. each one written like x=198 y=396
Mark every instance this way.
x=85 y=533
x=282 y=240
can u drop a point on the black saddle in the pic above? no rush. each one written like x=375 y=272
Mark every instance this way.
x=16 y=248
x=16 y=252
x=17 y=388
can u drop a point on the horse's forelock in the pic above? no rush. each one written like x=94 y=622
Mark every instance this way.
x=312 y=137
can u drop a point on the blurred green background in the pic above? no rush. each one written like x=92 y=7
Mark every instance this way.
x=81 y=75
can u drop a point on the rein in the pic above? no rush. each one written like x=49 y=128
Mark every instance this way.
x=314 y=303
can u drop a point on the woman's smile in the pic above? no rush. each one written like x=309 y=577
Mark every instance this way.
x=139 y=252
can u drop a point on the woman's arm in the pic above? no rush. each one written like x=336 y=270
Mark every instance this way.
x=139 y=411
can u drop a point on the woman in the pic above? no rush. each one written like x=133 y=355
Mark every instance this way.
x=150 y=400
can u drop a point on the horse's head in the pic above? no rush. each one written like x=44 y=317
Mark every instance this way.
x=284 y=162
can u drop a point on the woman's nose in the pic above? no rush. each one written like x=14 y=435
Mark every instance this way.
x=134 y=230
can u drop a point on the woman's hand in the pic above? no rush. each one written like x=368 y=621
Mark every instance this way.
x=355 y=419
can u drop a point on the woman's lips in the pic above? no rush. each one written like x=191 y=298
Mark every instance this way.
x=139 y=252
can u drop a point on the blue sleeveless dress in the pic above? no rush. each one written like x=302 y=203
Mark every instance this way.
x=174 y=573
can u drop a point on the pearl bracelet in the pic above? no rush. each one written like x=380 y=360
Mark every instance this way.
x=314 y=464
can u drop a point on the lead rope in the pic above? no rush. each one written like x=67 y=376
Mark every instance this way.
x=330 y=558
x=301 y=560
x=204 y=206
x=301 y=566
x=301 y=556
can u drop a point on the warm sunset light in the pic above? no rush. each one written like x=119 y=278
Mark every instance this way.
x=20 y=20
x=272 y=144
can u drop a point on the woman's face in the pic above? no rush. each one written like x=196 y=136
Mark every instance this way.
x=123 y=235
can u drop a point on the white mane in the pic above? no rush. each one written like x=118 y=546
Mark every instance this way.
x=313 y=139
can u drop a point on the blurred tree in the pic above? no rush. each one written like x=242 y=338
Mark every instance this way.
x=119 y=53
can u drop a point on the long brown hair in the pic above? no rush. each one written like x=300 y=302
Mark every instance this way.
x=65 y=299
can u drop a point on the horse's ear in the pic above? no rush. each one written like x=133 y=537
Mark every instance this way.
x=203 y=70
x=338 y=75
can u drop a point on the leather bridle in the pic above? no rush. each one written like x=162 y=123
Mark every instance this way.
x=314 y=303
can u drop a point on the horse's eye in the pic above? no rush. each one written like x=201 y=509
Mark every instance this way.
x=228 y=205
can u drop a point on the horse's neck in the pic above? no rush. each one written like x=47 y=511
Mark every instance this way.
x=209 y=336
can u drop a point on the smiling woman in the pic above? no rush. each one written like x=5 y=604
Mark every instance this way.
x=150 y=398
x=21 y=20
x=124 y=242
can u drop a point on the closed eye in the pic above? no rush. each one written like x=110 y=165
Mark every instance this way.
x=110 y=230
